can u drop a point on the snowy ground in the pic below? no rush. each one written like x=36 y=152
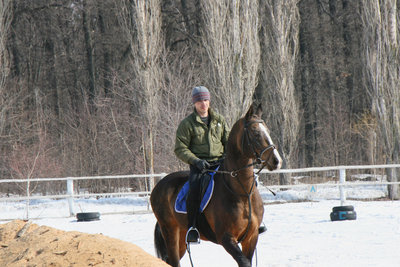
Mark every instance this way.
x=299 y=234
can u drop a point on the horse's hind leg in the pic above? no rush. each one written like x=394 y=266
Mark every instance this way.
x=171 y=236
x=233 y=249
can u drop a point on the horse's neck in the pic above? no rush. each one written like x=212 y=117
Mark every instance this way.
x=235 y=160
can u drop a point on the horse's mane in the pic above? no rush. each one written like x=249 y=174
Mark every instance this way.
x=233 y=145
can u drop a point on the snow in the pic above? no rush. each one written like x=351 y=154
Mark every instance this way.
x=299 y=233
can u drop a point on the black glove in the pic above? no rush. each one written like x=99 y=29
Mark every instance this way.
x=201 y=164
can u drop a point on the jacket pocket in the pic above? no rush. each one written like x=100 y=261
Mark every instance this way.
x=199 y=136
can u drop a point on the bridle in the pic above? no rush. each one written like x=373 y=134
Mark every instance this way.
x=258 y=156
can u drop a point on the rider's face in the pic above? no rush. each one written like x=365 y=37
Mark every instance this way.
x=202 y=107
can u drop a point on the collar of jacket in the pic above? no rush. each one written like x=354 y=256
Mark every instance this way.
x=210 y=113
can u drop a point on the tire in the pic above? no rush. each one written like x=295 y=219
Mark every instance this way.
x=343 y=215
x=343 y=208
x=88 y=216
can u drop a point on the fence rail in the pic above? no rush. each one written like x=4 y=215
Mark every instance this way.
x=71 y=191
x=342 y=177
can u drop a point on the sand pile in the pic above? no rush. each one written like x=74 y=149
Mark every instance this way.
x=26 y=244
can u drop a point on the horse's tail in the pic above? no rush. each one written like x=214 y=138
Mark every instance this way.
x=159 y=244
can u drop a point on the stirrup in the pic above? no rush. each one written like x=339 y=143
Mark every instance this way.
x=192 y=236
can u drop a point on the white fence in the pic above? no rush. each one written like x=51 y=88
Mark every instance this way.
x=70 y=195
x=342 y=177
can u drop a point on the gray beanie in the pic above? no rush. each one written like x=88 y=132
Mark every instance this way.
x=200 y=93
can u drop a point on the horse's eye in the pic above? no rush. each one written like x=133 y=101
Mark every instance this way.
x=257 y=134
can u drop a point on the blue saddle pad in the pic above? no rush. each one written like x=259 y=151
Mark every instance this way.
x=180 y=202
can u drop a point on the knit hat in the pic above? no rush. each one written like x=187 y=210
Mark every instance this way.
x=200 y=93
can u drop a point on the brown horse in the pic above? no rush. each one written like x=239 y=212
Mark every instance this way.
x=235 y=211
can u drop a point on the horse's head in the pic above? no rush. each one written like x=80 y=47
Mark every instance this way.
x=256 y=141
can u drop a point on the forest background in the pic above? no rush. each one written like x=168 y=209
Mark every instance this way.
x=98 y=87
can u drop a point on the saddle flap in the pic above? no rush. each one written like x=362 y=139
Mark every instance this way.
x=207 y=187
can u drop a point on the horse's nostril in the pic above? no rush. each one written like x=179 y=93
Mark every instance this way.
x=276 y=161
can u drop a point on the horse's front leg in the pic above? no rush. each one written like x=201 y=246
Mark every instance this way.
x=249 y=246
x=232 y=247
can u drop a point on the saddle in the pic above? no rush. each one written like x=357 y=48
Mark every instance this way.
x=206 y=191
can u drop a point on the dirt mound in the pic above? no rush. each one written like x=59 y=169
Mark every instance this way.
x=26 y=244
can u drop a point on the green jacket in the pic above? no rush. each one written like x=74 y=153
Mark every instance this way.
x=195 y=140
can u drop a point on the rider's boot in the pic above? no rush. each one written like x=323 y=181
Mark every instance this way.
x=262 y=229
x=193 y=205
x=192 y=235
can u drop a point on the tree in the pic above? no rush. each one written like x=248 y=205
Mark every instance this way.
x=141 y=22
x=280 y=45
x=382 y=76
x=230 y=37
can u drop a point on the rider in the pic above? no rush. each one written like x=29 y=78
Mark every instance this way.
x=200 y=142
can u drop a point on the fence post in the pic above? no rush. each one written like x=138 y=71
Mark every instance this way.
x=70 y=192
x=342 y=180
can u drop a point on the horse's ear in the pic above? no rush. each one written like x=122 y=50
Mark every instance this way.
x=250 y=112
x=254 y=111
x=259 y=111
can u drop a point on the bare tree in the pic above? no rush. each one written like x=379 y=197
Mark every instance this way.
x=141 y=22
x=280 y=34
x=230 y=37
x=382 y=76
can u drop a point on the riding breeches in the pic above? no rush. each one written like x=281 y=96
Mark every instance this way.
x=194 y=196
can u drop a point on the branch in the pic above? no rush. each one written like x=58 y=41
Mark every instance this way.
x=119 y=133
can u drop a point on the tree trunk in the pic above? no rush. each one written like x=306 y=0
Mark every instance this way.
x=89 y=52
x=106 y=71
x=5 y=101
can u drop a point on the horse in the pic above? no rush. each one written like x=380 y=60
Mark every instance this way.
x=235 y=211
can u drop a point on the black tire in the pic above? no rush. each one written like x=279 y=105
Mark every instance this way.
x=343 y=215
x=343 y=208
x=88 y=216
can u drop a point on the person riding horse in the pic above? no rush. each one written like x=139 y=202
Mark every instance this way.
x=200 y=142
x=235 y=211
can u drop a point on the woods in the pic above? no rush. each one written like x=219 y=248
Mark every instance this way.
x=99 y=87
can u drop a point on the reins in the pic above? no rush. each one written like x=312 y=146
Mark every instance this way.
x=234 y=172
